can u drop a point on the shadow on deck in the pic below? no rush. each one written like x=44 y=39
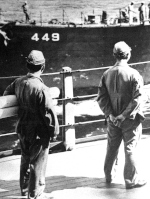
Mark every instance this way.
x=79 y=174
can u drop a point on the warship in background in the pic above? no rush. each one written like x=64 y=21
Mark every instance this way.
x=85 y=45
x=78 y=45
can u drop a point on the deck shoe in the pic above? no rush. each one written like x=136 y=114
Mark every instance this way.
x=140 y=183
x=24 y=192
x=44 y=196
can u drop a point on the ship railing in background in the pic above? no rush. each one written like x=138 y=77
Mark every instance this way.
x=68 y=109
x=9 y=108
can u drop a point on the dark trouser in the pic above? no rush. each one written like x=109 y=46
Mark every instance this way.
x=27 y=16
x=33 y=167
x=130 y=132
x=141 y=17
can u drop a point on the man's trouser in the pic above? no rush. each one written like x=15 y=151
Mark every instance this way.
x=130 y=17
x=130 y=132
x=27 y=16
x=33 y=167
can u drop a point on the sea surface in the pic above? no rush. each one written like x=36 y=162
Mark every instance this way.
x=46 y=10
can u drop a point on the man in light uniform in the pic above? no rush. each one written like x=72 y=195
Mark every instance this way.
x=120 y=98
x=131 y=11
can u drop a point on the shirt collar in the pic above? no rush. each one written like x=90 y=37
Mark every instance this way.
x=35 y=76
x=121 y=64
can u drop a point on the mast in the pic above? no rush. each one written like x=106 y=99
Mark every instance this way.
x=63 y=16
x=41 y=18
x=120 y=15
x=81 y=17
x=0 y=14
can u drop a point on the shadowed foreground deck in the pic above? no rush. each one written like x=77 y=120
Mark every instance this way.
x=79 y=174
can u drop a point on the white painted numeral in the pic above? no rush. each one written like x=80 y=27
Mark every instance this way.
x=55 y=37
x=35 y=37
x=45 y=37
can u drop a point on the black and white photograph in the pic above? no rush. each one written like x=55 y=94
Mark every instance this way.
x=74 y=99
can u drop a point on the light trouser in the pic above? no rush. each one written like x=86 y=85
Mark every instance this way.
x=130 y=17
x=130 y=132
x=33 y=168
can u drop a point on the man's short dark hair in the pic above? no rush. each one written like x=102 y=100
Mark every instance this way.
x=34 y=68
x=121 y=55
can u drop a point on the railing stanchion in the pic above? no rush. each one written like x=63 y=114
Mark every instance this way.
x=68 y=110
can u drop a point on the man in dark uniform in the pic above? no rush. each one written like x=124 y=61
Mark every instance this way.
x=142 y=13
x=149 y=11
x=25 y=8
x=120 y=98
x=37 y=123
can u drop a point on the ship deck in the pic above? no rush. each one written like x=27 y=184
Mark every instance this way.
x=75 y=25
x=79 y=174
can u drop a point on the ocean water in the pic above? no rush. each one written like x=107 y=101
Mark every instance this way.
x=49 y=9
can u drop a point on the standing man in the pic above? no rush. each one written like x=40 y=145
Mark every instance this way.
x=142 y=12
x=37 y=123
x=149 y=11
x=131 y=12
x=25 y=8
x=120 y=98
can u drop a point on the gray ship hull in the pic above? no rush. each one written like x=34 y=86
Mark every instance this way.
x=77 y=47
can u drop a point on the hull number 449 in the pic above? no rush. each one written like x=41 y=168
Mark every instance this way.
x=46 y=37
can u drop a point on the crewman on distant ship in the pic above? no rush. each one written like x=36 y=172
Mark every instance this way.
x=25 y=8
x=131 y=12
x=146 y=12
x=149 y=11
x=142 y=13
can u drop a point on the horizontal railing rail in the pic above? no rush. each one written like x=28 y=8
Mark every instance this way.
x=76 y=71
x=68 y=124
x=71 y=125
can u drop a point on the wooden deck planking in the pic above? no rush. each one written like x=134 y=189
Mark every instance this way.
x=71 y=183
x=77 y=174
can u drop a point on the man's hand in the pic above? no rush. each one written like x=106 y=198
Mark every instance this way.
x=112 y=118
x=118 y=120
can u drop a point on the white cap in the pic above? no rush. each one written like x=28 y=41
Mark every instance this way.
x=36 y=58
x=121 y=48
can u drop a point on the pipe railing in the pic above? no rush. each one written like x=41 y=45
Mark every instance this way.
x=68 y=126
x=76 y=71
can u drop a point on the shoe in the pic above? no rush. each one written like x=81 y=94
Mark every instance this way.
x=140 y=183
x=24 y=192
x=44 y=196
